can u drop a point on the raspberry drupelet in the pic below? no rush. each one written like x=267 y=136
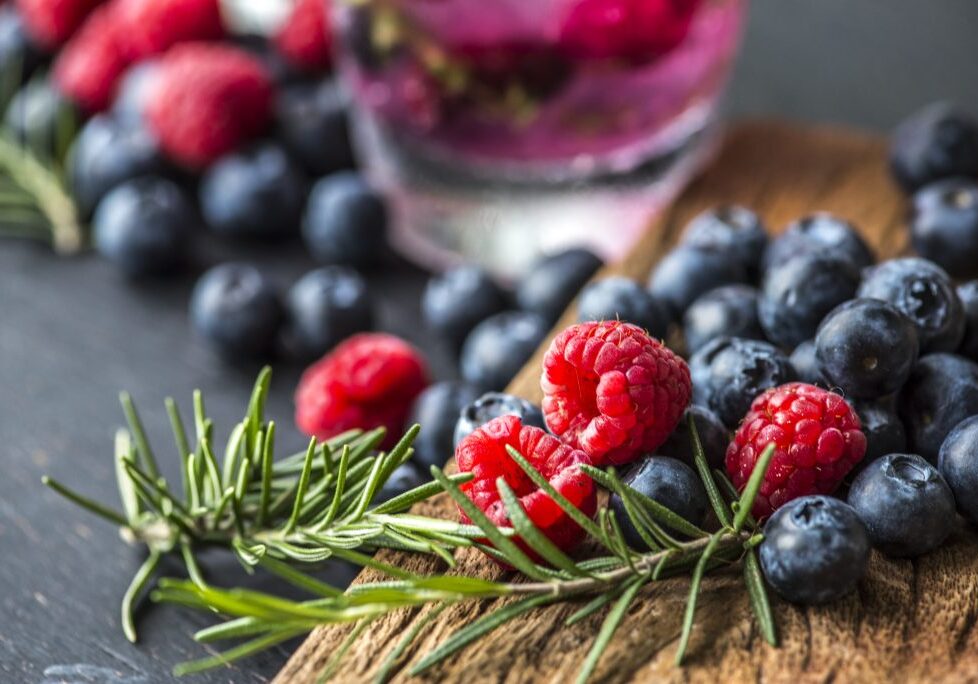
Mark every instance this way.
x=817 y=436
x=613 y=391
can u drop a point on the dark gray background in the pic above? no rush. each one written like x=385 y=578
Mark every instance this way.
x=72 y=335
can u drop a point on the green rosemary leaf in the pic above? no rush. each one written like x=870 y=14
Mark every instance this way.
x=231 y=629
x=608 y=628
x=192 y=480
x=249 y=554
x=298 y=578
x=176 y=425
x=758 y=597
x=334 y=507
x=720 y=507
x=406 y=500
x=232 y=454
x=511 y=551
x=610 y=521
x=601 y=563
x=193 y=570
x=694 y=590
x=272 y=638
x=136 y=587
x=660 y=567
x=200 y=417
x=746 y=502
x=266 y=474
x=593 y=606
x=478 y=629
x=256 y=408
x=386 y=670
x=127 y=492
x=366 y=561
x=139 y=435
x=531 y=536
x=212 y=472
x=373 y=483
x=300 y=492
x=86 y=503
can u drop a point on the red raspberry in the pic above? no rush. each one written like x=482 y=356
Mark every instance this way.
x=154 y=26
x=305 y=39
x=636 y=30
x=368 y=381
x=612 y=391
x=207 y=101
x=483 y=453
x=91 y=64
x=817 y=436
x=52 y=22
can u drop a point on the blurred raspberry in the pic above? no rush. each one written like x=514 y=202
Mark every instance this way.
x=52 y=22
x=154 y=26
x=305 y=39
x=89 y=68
x=208 y=100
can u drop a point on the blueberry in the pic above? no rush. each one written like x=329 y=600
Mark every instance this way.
x=437 y=411
x=739 y=370
x=17 y=50
x=883 y=428
x=496 y=349
x=806 y=365
x=713 y=434
x=700 y=371
x=735 y=229
x=937 y=142
x=456 y=301
x=107 y=153
x=906 y=505
x=941 y=392
x=36 y=113
x=623 y=299
x=923 y=291
x=866 y=348
x=311 y=122
x=797 y=294
x=666 y=481
x=236 y=310
x=345 y=221
x=134 y=93
x=688 y=272
x=944 y=225
x=493 y=405
x=815 y=550
x=405 y=477
x=820 y=232
x=727 y=311
x=968 y=294
x=278 y=67
x=144 y=226
x=958 y=464
x=325 y=307
x=552 y=282
x=255 y=193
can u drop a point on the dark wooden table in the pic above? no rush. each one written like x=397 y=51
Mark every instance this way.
x=72 y=335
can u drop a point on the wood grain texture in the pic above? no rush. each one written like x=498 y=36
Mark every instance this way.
x=909 y=620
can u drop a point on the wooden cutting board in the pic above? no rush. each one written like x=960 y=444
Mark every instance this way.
x=909 y=620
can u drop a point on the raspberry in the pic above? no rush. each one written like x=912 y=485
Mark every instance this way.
x=154 y=26
x=91 y=64
x=613 y=391
x=817 y=436
x=208 y=100
x=52 y=22
x=305 y=39
x=483 y=453
x=369 y=381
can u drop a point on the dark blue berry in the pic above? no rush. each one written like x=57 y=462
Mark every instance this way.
x=938 y=142
x=437 y=411
x=739 y=370
x=456 y=301
x=820 y=232
x=311 y=122
x=728 y=311
x=688 y=272
x=256 y=193
x=277 y=66
x=713 y=434
x=405 y=477
x=968 y=294
x=883 y=428
x=493 y=405
x=17 y=49
x=236 y=310
x=735 y=229
x=325 y=307
x=496 y=349
x=107 y=153
x=667 y=481
x=958 y=464
x=345 y=221
x=134 y=93
x=553 y=282
x=866 y=348
x=805 y=363
x=623 y=299
x=699 y=369
x=797 y=294
x=815 y=550
x=944 y=225
x=906 y=505
x=144 y=226
x=923 y=291
x=36 y=113
x=941 y=392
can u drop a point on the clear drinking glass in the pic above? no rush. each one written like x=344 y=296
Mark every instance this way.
x=502 y=129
